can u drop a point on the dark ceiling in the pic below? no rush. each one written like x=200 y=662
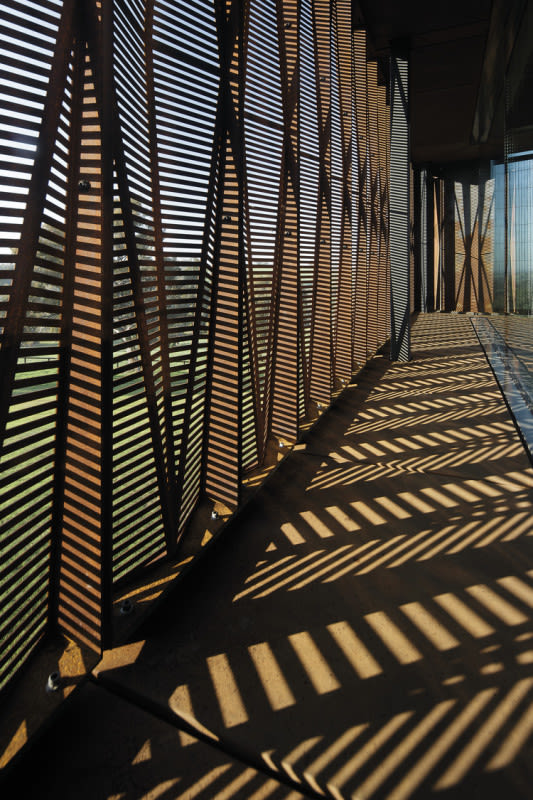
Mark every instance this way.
x=451 y=45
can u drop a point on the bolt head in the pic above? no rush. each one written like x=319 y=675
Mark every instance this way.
x=126 y=607
x=54 y=682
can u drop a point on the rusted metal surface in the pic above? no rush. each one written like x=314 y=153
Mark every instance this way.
x=346 y=132
x=80 y=612
x=400 y=198
x=284 y=333
x=455 y=216
x=199 y=261
x=321 y=352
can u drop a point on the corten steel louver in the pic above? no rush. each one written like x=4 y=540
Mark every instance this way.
x=472 y=255
x=360 y=193
x=431 y=243
x=420 y=238
x=374 y=215
x=455 y=215
x=194 y=257
x=438 y=208
x=34 y=229
x=370 y=212
x=227 y=348
x=342 y=134
x=321 y=345
x=449 y=243
x=309 y=174
x=383 y=151
x=400 y=209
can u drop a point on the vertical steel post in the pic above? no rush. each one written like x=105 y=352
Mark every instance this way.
x=399 y=207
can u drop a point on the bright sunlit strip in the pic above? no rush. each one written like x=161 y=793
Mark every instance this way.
x=269 y=568
x=180 y=702
x=353 y=564
x=514 y=741
x=197 y=788
x=497 y=605
x=351 y=557
x=416 y=502
x=526 y=526
x=375 y=451
x=393 y=638
x=227 y=692
x=484 y=735
x=372 y=556
x=269 y=788
x=319 y=672
x=424 y=544
x=464 y=616
x=439 y=748
x=363 y=662
x=400 y=753
x=368 y=750
x=444 y=543
x=479 y=531
x=461 y=492
x=483 y=488
x=231 y=790
x=432 y=629
x=292 y=534
x=316 y=524
x=276 y=576
x=343 y=519
x=518 y=588
x=390 y=446
x=516 y=530
x=393 y=508
x=353 y=452
x=288 y=763
x=309 y=568
x=368 y=513
x=439 y=497
x=330 y=754
x=274 y=683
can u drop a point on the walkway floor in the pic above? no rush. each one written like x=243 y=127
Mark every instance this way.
x=364 y=630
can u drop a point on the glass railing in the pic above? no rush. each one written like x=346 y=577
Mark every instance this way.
x=508 y=344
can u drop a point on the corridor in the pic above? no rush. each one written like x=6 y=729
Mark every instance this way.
x=363 y=629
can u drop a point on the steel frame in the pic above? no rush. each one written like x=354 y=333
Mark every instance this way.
x=138 y=382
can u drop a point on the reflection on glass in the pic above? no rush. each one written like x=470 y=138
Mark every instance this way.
x=514 y=267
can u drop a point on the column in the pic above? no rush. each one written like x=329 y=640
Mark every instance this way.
x=399 y=207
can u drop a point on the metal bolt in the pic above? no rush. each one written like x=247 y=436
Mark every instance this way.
x=54 y=681
x=214 y=514
x=288 y=232
x=126 y=606
x=84 y=185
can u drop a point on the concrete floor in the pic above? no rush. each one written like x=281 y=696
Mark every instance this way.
x=363 y=630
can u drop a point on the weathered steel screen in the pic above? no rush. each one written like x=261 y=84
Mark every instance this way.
x=194 y=258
